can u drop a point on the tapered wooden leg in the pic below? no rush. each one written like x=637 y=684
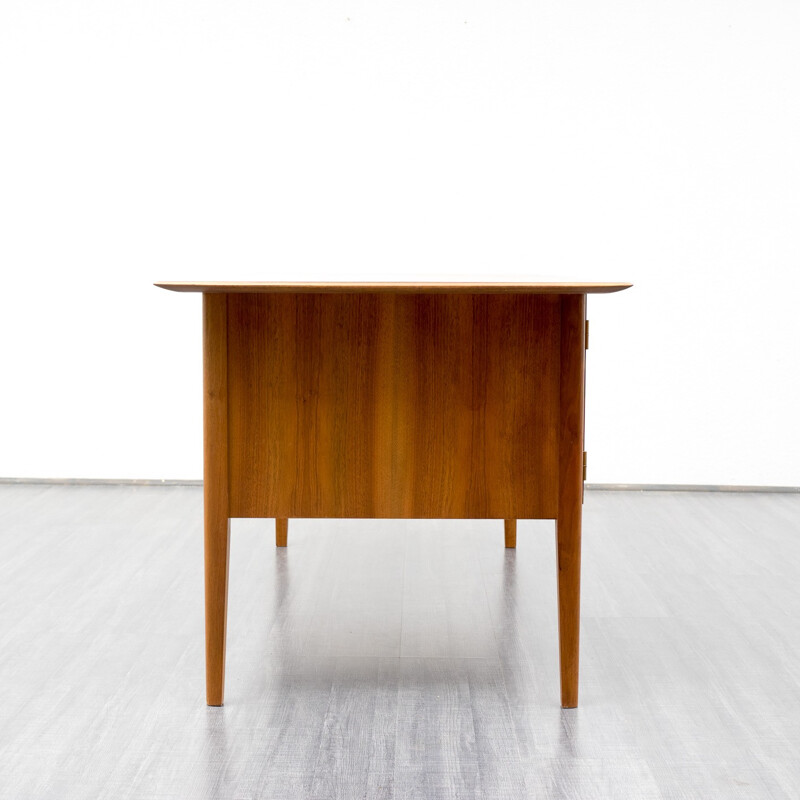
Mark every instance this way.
x=215 y=490
x=281 y=532
x=568 y=547
x=511 y=532
x=216 y=557
x=568 y=522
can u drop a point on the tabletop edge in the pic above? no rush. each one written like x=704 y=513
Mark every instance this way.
x=357 y=287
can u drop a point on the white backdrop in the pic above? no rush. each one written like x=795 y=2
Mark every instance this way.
x=174 y=140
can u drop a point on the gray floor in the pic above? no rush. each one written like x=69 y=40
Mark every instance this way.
x=398 y=659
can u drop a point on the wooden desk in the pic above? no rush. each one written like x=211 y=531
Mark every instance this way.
x=458 y=400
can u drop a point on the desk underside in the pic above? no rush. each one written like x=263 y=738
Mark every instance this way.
x=393 y=405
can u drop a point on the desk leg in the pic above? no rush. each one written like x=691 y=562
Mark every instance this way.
x=217 y=556
x=568 y=522
x=511 y=532
x=215 y=489
x=281 y=532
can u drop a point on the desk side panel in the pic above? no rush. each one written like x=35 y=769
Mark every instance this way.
x=393 y=405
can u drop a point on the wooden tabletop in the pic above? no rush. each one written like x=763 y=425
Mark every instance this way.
x=465 y=287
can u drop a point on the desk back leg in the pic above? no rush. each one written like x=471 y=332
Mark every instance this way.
x=281 y=532
x=570 y=482
x=511 y=532
x=215 y=489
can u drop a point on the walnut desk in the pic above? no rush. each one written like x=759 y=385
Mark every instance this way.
x=437 y=400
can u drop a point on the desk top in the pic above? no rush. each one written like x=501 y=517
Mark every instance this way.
x=466 y=287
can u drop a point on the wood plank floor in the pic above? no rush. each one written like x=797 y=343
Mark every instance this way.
x=398 y=659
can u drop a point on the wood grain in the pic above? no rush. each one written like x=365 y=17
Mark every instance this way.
x=215 y=486
x=570 y=492
x=296 y=287
x=375 y=405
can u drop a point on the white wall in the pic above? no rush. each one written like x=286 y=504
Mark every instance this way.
x=636 y=140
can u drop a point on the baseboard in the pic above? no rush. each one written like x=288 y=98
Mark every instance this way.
x=103 y=481
x=685 y=487
x=592 y=487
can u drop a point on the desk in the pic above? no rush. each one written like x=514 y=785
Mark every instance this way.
x=430 y=400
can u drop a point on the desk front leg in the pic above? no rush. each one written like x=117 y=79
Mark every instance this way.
x=570 y=492
x=215 y=489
